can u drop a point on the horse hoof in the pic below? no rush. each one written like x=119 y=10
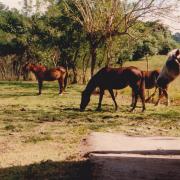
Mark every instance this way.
x=39 y=94
x=98 y=109
x=60 y=94
x=116 y=108
x=131 y=110
x=143 y=110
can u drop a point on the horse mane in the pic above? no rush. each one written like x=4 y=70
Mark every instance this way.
x=93 y=82
x=173 y=53
x=91 y=85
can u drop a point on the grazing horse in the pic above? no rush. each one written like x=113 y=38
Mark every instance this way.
x=150 y=82
x=170 y=72
x=115 y=78
x=44 y=74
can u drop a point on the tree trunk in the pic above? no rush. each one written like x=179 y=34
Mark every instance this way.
x=74 y=67
x=93 y=59
x=85 y=66
x=74 y=75
x=3 y=70
x=109 y=55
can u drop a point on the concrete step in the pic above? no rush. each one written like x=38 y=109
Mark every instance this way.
x=114 y=156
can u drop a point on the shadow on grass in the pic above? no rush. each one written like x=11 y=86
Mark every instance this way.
x=72 y=109
x=170 y=114
x=50 y=170
x=19 y=84
x=14 y=95
x=28 y=84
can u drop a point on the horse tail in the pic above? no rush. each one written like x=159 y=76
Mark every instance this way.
x=142 y=85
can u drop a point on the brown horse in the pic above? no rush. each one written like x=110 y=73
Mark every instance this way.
x=115 y=78
x=150 y=82
x=170 y=72
x=44 y=74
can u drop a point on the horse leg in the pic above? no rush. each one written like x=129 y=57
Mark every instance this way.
x=135 y=90
x=113 y=97
x=63 y=82
x=116 y=93
x=151 y=96
x=167 y=97
x=133 y=99
x=101 y=93
x=159 y=97
x=40 y=83
x=142 y=96
x=60 y=86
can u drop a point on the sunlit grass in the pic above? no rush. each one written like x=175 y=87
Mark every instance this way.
x=50 y=120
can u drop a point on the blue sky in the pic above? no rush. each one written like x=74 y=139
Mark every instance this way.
x=173 y=23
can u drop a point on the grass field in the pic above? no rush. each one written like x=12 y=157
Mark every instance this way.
x=40 y=135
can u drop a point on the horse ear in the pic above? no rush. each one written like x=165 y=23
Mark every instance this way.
x=177 y=52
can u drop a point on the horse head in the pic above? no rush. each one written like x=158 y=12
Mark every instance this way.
x=174 y=56
x=85 y=98
x=177 y=55
x=32 y=67
x=26 y=67
x=170 y=70
x=173 y=62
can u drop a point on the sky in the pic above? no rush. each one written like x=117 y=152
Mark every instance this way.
x=12 y=3
x=170 y=21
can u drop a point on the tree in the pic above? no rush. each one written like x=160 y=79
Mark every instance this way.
x=176 y=37
x=158 y=41
x=104 y=19
x=2 y=6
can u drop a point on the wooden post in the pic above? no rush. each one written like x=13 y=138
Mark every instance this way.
x=147 y=69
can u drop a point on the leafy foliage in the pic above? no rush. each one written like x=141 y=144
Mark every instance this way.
x=62 y=35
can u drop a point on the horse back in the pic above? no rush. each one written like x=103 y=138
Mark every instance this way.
x=118 y=78
x=53 y=74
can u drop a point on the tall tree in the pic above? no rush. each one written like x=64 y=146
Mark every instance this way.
x=104 y=19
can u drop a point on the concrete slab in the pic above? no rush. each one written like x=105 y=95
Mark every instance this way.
x=114 y=156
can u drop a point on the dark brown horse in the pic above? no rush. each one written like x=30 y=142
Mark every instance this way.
x=150 y=82
x=115 y=78
x=170 y=72
x=44 y=74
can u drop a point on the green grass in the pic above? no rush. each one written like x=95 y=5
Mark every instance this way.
x=155 y=62
x=53 y=125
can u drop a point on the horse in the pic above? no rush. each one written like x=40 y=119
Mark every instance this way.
x=150 y=82
x=115 y=78
x=169 y=73
x=44 y=74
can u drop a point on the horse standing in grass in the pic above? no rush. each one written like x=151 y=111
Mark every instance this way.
x=115 y=78
x=44 y=74
x=170 y=72
x=150 y=82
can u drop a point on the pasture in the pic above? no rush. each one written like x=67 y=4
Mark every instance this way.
x=40 y=135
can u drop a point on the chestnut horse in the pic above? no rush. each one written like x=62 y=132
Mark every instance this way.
x=44 y=74
x=170 y=72
x=150 y=82
x=115 y=78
